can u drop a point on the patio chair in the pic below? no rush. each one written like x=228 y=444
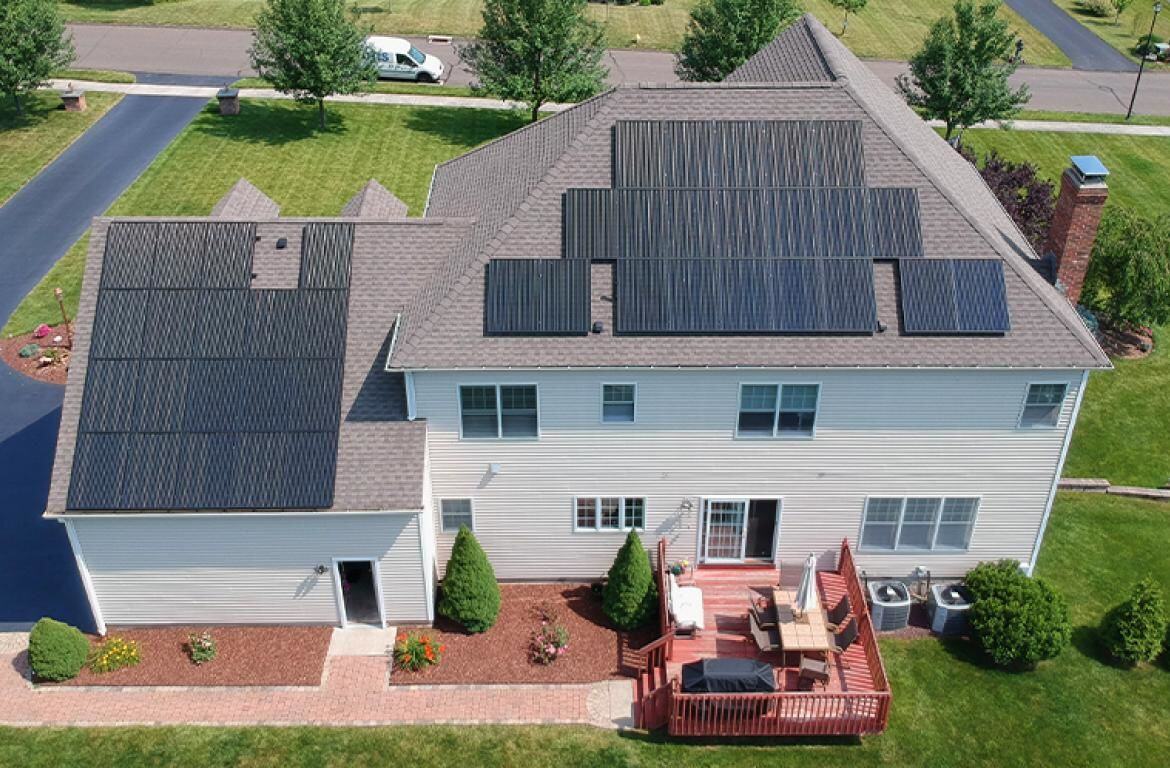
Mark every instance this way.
x=767 y=638
x=812 y=671
x=686 y=607
x=763 y=608
x=839 y=613
x=842 y=640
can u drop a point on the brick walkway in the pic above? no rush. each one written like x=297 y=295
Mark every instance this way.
x=354 y=692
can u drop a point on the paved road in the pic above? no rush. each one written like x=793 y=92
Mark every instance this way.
x=1084 y=49
x=223 y=54
x=37 y=225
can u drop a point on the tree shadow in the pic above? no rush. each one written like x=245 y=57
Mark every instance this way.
x=37 y=108
x=367 y=10
x=464 y=128
x=271 y=122
x=112 y=5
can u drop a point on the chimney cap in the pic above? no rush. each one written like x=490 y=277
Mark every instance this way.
x=1089 y=169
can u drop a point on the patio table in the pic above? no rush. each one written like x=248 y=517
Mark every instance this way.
x=808 y=634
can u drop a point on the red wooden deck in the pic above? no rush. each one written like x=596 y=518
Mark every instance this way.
x=725 y=596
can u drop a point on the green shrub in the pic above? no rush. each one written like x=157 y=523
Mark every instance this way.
x=630 y=595
x=1135 y=630
x=1102 y=9
x=1017 y=620
x=470 y=594
x=56 y=651
x=415 y=651
x=201 y=648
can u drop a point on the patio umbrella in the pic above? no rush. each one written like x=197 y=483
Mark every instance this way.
x=806 y=595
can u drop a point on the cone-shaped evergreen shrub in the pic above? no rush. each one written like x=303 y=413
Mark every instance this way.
x=56 y=651
x=630 y=595
x=1135 y=630
x=470 y=594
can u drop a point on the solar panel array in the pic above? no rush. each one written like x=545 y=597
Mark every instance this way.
x=743 y=296
x=953 y=296
x=603 y=224
x=201 y=392
x=537 y=297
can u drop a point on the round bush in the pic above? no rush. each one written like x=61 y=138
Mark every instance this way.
x=56 y=651
x=1135 y=630
x=1017 y=620
x=1102 y=9
x=630 y=595
x=470 y=594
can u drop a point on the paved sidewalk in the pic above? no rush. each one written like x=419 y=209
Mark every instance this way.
x=354 y=692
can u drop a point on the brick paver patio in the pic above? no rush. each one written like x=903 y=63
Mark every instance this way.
x=354 y=692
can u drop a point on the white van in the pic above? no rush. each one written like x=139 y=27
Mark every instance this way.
x=397 y=59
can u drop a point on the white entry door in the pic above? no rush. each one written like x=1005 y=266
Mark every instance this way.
x=724 y=524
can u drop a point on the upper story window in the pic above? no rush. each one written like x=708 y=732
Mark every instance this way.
x=1042 y=406
x=618 y=402
x=608 y=513
x=926 y=523
x=454 y=513
x=499 y=410
x=771 y=410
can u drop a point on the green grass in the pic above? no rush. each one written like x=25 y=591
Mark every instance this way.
x=29 y=143
x=383 y=86
x=274 y=145
x=1093 y=117
x=891 y=29
x=96 y=75
x=1138 y=165
x=949 y=711
x=1133 y=24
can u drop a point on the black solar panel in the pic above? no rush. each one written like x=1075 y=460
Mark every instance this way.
x=201 y=392
x=537 y=297
x=741 y=223
x=727 y=153
x=953 y=296
x=778 y=296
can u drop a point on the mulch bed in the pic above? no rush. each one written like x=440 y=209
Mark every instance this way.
x=919 y=625
x=1131 y=344
x=247 y=656
x=500 y=655
x=32 y=367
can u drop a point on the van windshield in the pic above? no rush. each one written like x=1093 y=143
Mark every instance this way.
x=417 y=55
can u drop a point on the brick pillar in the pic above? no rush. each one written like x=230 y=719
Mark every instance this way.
x=73 y=100
x=1074 y=223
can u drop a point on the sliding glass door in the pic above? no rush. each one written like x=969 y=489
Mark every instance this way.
x=723 y=530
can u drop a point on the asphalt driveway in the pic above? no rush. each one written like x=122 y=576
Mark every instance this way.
x=1083 y=48
x=37 y=226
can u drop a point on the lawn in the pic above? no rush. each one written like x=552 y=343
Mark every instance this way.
x=273 y=144
x=1093 y=117
x=891 y=30
x=386 y=86
x=949 y=709
x=29 y=143
x=1139 y=166
x=1133 y=24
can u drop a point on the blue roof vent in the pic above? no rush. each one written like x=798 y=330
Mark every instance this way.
x=1088 y=169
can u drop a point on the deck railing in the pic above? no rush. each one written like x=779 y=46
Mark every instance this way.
x=652 y=705
x=665 y=620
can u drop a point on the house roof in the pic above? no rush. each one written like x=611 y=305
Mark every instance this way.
x=374 y=202
x=245 y=202
x=514 y=187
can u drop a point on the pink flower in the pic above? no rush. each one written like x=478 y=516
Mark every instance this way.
x=42 y=331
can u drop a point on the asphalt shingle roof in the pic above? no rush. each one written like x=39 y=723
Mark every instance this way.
x=793 y=57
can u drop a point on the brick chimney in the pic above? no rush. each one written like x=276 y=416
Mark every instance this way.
x=1074 y=222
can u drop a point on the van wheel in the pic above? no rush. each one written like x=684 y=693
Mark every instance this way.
x=425 y=77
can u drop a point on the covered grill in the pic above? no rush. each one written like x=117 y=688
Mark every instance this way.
x=728 y=676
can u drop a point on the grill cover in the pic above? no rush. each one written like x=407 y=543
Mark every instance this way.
x=728 y=676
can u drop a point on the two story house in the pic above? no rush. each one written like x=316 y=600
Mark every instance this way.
x=752 y=318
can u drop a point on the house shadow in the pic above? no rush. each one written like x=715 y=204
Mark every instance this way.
x=271 y=122
x=382 y=395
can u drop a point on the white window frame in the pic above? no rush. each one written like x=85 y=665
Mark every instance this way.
x=1024 y=406
x=934 y=548
x=601 y=414
x=470 y=504
x=499 y=410
x=776 y=433
x=596 y=527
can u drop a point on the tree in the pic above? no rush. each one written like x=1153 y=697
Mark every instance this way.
x=722 y=34
x=960 y=75
x=1029 y=199
x=1119 y=6
x=849 y=6
x=470 y=594
x=1135 y=630
x=1129 y=275
x=630 y=594
x=310 y=49
x=33 y=46
x=537 y=51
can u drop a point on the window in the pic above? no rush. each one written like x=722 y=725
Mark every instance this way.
x=499 y=411
x=617 y=403
x=455 y=513
x=768 y=410
x=918 y=523
x=1042 y=406
x=608 y=513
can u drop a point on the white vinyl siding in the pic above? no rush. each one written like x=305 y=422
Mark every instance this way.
x=921 y=524
x=247 y=569
x=608 y=513
x=879 y=433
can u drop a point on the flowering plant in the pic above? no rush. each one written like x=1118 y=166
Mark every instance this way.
x=679 y=567
x=42 y=331
x=201 y=648
x=550 y=641
x=415 y=651
x=115 y=653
